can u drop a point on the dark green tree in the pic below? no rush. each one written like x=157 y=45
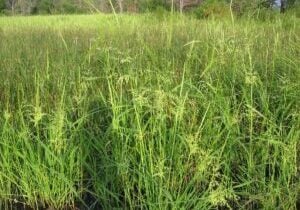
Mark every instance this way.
x=45 y=6
x=2 y=5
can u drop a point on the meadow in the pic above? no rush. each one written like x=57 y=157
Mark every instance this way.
x=149 y=112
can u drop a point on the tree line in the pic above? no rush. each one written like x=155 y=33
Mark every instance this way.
x=76 y=6
x=26 y=7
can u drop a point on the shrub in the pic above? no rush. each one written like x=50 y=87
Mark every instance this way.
x=295 y=9
x=250 y=8
x=44 y=7
x=160 y=12
x=2 y=6
x=152 y=5
x=212 y=8
x=265 y=14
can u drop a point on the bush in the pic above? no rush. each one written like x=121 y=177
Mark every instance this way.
x=250 y=8
x=70 y=8
x=2 y=6
x=152 y=5
x=295 y=9
x=265 y=14
x=44 y=7
x=212 y=8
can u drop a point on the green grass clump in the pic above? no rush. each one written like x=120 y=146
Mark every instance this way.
x=149 y=113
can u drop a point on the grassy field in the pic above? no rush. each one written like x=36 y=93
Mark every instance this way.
x=149 y=112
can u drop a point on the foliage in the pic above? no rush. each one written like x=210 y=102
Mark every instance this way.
x=44 y=7
x=2 y=5
x=245 y=7
x=295 y=9
x=152 y=5
x=212 y=8
x=161 y=13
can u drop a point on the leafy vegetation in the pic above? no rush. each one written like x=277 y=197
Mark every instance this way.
x=138 y=112
x=27 y=7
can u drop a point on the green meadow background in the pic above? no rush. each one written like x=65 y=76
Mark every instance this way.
x=149 y=111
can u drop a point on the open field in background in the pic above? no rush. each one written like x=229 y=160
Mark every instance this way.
x=149 y=112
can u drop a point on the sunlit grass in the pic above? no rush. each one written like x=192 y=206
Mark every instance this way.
x=149 y=113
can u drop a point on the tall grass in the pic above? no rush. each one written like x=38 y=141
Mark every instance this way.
x=149 y=113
